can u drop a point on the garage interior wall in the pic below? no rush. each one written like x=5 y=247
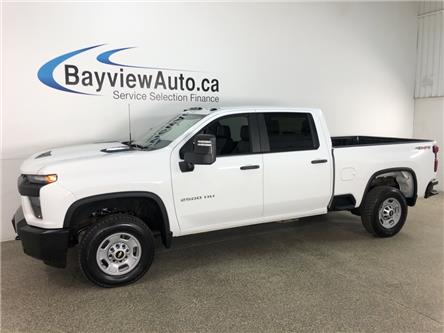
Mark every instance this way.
x=356 y=61
x=429 y=87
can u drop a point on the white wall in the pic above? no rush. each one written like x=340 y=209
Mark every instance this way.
x=430 y=50
x=429 y=123
x=429 y=88
x=356 y=61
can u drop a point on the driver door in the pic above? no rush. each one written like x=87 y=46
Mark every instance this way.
x=228 y=192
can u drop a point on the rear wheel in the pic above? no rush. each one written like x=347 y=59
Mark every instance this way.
x=117 y=250
x=384 y=211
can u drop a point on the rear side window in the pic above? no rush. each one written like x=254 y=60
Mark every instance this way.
x=291 y=131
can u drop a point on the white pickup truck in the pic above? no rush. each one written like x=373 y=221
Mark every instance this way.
x=210 y=169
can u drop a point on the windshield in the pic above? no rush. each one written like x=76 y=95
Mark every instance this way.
x=162 y=136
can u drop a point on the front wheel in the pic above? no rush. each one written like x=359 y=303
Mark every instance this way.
x=117 y=250
x=384 y=211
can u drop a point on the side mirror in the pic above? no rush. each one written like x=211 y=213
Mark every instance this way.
x=204 y=152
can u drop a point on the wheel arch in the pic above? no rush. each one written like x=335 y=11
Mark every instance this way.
x=390 y=172
x=74 y=211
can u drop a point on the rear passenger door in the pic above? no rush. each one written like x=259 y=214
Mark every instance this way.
x=296 y=165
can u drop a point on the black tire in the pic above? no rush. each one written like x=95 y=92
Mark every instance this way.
x=372 y=205
x=107 y=226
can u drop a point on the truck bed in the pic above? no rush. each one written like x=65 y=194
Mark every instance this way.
x=360 y=140
x=357 y=159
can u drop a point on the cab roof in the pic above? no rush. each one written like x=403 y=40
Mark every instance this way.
x=218 y=110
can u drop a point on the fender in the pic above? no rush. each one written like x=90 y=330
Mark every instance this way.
x=166 y=233
x=410 y=201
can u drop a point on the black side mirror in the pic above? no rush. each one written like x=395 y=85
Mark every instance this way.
x=204 y=152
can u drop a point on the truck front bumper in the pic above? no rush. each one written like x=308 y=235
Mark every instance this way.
x=49 y=245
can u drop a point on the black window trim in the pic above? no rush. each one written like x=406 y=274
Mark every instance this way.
x=254 y=129
x=265 y=141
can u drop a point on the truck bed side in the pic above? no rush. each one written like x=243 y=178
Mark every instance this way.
x=360 y=159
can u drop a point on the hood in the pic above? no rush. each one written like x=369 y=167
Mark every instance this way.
x=48 y=157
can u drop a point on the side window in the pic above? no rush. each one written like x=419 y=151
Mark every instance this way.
x=232 y=136
x=291 y=131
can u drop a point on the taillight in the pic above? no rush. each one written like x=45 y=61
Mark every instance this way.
x=435 y=151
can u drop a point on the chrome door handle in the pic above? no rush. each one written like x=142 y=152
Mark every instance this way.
x=249 y=167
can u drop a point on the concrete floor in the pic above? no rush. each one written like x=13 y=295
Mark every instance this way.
x=318 y=274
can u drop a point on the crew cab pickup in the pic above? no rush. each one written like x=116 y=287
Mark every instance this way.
x=210 y=169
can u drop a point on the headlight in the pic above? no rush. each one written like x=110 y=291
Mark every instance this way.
x=42 y=179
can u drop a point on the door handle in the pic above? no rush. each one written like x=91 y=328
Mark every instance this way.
x=249 y=167
x=318 y=161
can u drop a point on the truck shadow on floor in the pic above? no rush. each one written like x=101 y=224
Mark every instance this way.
x=295 y=240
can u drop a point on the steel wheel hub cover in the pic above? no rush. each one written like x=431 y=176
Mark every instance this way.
x=118 y=253
x=390 y=213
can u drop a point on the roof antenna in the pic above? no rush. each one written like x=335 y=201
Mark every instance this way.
x=129 y=125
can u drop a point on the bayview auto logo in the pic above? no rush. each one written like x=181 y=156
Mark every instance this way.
x=126 y=82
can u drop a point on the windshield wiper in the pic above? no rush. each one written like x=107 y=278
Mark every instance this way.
x=131 y=144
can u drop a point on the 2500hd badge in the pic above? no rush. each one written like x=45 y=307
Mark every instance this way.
x=199 y=197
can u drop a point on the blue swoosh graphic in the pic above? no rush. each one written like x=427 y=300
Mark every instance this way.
x=46 y=72
x=104 y=58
